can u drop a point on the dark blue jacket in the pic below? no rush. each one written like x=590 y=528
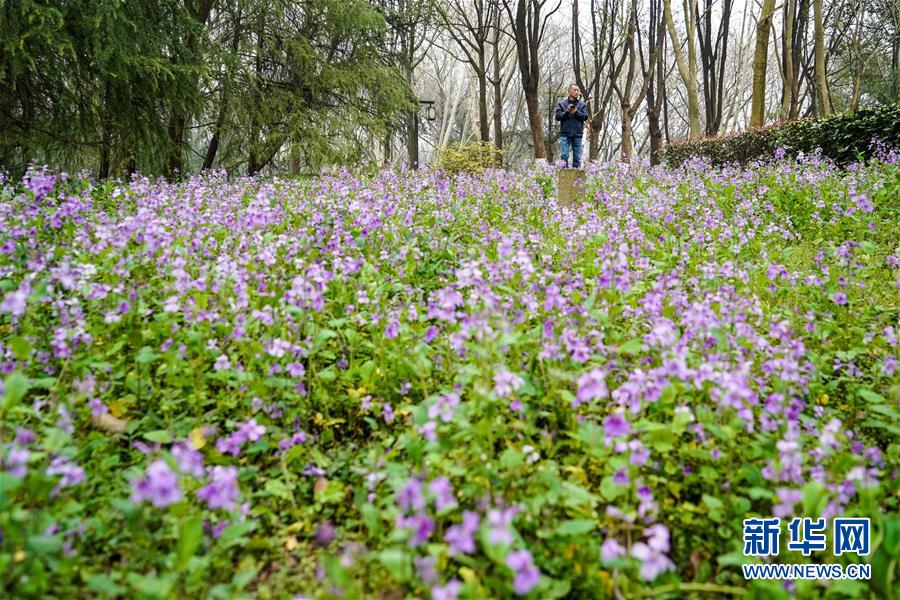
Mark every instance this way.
x=571 y=125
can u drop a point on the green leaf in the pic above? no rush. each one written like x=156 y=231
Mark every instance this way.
x=575 y=527
x=160 y=436
x=397 y=563
x=14 y=389
x=146 y=355
x=104 y=585
x=632 y=346
x=151 y=585
x=191 y=536
x=870 y=396
x=44 y=544
x=277 y=488
x=20 y=347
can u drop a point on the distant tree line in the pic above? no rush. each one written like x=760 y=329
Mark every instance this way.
x=175 y=86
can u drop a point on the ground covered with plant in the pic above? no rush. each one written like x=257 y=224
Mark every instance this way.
x=409 y=385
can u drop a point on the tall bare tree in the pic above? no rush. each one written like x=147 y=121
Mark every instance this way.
x=469 y=25
x=823 y=98
x=760 y=62
x=631 y=96
x=687 y=69
x=529 y=24
x=713 y=57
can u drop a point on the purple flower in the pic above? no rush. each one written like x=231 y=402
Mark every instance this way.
x=459 y=537
x=325 y=534
x=24 y=436
x=159 y=485
x=653 y=563
x=222 y=363
x=17 y=461
x=444 y=407
x=611 y=549
x=652 y=554
x=251 y=431
x=526 y=574
x=499 y=522
x=839 y=298
x=788 y=499
x=443 y=493
x=410 y=496
x=505 y=383
x=615 y=426
x=446 y=592
x=222 y=491
x=591 y=386
x=387 y=411
x=15 y=302
x=190 y=461
x=421 y=526
x=620 y=477
x=392 y=330
x=425 y=568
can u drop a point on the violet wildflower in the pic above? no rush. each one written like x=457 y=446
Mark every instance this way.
x=611 y=550
x=222 y=491
x=159 y=485
x=499 y=521
x=443 y=493
x=526 y=574
x=459 y=537
x=505 y=383
x=615 y=426
x=425 y=568
x=652 y=554
x=446 y=592
x=387 y=412
x=190 y=461
x=325 y=534
x=410 y=496
x=839 y=298
x=591 y=386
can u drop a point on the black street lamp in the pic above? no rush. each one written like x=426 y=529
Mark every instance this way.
x=430 y=112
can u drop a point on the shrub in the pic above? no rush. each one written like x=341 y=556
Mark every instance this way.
x=843 y=138
x=469 y=157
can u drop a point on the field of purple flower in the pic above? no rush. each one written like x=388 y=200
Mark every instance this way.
x=404 y=385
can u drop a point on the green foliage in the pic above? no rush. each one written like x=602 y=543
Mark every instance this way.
x=469 y=157
x=699 y=295
x=843 y=138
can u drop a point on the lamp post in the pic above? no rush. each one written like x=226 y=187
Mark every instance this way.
x=413 y=140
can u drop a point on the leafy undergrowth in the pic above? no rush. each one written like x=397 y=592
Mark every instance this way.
x=411 y=386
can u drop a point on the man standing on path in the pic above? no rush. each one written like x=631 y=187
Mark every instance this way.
x=571 y=113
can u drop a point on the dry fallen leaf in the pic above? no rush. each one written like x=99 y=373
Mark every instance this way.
x=321 y=484
x=109 y=423
x=198 y=440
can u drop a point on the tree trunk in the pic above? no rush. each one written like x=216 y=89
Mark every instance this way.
x=787 y=72
x=532 y=103
x=760 y=62
x=498 y=96
x=822 y=98
x=627 y=135
x=484 y=126
x=687 y=70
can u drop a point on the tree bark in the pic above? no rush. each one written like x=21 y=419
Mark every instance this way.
x=787 y=71
x=496 y=83
x=760 y=62
x=822 y=99
x=687 y=69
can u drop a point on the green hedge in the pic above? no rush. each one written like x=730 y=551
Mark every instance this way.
x=843 y=138
x=469 y=157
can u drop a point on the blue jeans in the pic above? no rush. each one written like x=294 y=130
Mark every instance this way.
x=575 y=143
